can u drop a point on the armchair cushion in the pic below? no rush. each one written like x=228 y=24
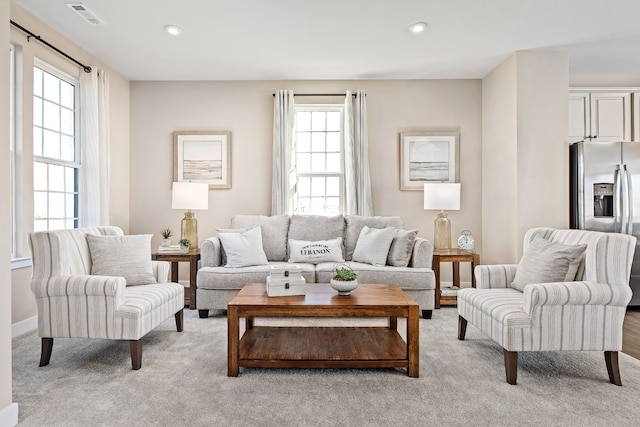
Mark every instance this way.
x=125 y=256
x=546 y=261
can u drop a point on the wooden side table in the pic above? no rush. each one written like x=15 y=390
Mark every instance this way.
x=455 y=257
x=192 y=257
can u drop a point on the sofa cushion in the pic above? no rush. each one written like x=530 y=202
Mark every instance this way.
x=274 y=232
x=355 y=223
x=124 y=256
x=545 y=262
x=401 y=248
x=316 y=227
x=216 y=278
x=404 y=277
x=315 y=252
x=373 y=245
x=243 y=249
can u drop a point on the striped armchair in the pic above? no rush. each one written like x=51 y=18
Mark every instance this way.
x=72 y=303
x=585 y=314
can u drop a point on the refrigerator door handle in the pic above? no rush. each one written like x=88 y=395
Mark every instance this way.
x=617 y=201
x=628 y=202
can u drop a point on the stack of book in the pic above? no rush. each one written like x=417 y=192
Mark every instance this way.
x=173 y=249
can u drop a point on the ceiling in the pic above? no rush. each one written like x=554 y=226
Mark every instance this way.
x=346 y=39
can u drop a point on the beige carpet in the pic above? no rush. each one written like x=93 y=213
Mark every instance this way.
x=183 y=382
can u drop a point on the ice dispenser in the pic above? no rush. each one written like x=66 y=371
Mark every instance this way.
x=602 y=199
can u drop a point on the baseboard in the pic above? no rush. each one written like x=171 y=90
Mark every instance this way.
x=9 y=416
x=27 y=325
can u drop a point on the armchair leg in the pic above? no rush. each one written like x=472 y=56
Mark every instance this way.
x=45 y=355
x=462 y=327
x=611 y=359
x=136 y=354
x=511 y=366
x=179 y=317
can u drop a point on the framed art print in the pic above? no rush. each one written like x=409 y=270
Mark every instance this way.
x=202 y=156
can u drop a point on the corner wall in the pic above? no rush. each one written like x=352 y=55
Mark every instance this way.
x=525 y=151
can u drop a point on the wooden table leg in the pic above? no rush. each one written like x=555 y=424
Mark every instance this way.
x=436 y=272
x=413 y=341
x=233 y=332
x=193 y=271
x=476 y=261
x=393 y=323
x=456 y=273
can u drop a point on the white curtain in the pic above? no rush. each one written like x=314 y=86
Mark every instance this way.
x=358 y=198
x=283 y=174
x=94 y=137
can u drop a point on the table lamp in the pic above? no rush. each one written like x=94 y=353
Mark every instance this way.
x=190 y=196
x=442 y=196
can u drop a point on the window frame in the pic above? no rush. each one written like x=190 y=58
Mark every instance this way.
x=311 y=174
x=76 y=163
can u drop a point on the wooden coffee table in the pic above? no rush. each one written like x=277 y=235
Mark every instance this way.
x=323 y=347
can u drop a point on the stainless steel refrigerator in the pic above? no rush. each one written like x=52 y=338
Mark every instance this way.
x=605 y=193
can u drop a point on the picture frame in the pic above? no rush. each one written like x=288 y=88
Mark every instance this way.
x=202 y=156
x=428 y=156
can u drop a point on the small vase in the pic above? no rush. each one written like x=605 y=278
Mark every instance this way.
x=166 y=243
x=344 y=287
x=184 y=249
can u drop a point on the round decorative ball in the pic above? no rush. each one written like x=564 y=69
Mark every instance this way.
x=344 y=287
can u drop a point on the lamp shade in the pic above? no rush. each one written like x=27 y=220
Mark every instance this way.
x=442 y=196
x=190 y=196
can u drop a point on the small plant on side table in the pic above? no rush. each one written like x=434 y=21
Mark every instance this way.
x=184 y=245
x=166 y=234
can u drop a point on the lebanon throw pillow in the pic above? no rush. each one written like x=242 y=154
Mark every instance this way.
x=373 y=245
x=545 y=262
x=243 y=249
x=316 y=252
x=401 y=247
x=125 y=256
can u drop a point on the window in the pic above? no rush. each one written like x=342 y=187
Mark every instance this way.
x=55 y=150
x=318 y=156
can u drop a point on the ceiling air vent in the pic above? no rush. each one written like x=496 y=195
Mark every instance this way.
x=85 y=13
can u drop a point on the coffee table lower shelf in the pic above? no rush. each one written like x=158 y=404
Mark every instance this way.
x=322 y=347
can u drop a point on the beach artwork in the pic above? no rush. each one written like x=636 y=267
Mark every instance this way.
x=202 y=160
x=428 y=161
x=203 y=156
x=430 y=156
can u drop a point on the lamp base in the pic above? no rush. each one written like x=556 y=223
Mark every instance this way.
x=442 y=232
x=189 y=228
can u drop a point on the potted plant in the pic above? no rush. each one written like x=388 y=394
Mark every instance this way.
x=166 y=234
x=344 y=279
x=184 y=245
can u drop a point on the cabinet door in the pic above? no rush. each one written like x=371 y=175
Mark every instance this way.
x=611 y=116
x=579 y=117
x=635 y=97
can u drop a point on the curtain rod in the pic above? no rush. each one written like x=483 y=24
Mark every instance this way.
x=320 y=94
x=86 y=68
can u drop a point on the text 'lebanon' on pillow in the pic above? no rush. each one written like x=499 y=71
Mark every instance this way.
x=316 y=252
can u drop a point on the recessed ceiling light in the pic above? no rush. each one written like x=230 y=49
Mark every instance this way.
x=173 y=30
x=418 y=27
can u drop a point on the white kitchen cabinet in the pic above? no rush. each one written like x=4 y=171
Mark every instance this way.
x=599 y=116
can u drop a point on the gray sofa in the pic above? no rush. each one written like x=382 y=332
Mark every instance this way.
x=217 y=284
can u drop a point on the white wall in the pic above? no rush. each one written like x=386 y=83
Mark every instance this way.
x=8 y=409
x=246 y=109
x=525 y=151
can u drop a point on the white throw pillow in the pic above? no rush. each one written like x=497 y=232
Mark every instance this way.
x=243 y=249
x=124 y=256
x=546 y=262
x=373 y=245
x=401 y=248
x=316 y=252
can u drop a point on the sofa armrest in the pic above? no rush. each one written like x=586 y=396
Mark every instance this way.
x=161 y=270
x=537 y=295
x=79 y=285
x=211 y=252
x=494 y=276
x=422 y=255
